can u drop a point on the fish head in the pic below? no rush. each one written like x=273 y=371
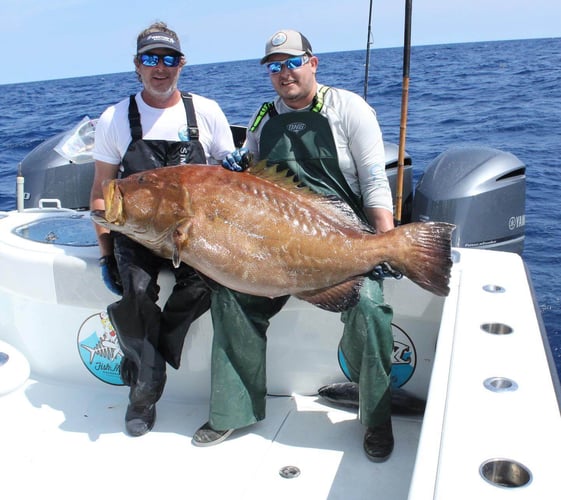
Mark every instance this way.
x=147 y=207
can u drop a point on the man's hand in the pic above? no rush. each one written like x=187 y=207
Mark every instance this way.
x=384 y=271
x=110 y=274
x=237 y=161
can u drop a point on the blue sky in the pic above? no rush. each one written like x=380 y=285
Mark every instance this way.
x=50 y=39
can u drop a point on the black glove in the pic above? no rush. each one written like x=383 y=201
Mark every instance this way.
x=110 y=274
x=237 y=161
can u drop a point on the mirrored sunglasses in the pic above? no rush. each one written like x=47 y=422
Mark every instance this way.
x=152 y=60
x=291 y=63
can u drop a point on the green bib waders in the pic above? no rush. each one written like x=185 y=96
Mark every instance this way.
x=303 y=143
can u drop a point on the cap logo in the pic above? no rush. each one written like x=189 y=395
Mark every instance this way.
x=160 y=38
x=278 y=39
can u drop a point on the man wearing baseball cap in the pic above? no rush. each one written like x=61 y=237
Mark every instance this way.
x=158 y=40
x=157 y=126
x=331 y=140
x=287 y=42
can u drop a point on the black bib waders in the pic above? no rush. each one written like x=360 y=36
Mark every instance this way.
x=149 y=336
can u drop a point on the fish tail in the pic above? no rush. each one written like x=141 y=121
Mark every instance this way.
x=426 y=257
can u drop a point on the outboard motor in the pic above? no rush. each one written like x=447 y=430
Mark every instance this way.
x=60 y=171
x=480 y=189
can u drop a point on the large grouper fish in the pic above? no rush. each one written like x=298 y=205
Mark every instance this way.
x=261 y=233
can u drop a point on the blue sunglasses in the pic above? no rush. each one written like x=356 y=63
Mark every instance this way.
x=291 y=63
x=152 y=60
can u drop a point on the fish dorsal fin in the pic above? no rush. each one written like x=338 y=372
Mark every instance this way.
x=337 y=298
x=288 y=180
x=283 y=177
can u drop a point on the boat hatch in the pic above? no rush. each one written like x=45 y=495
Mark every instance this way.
x=74 y=230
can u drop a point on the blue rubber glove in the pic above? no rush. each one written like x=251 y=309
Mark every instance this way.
x=110 y=274
x=383 y=271
x=237 y=161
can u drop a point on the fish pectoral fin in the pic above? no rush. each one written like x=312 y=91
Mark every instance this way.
x=179 y=240
x=336 y=298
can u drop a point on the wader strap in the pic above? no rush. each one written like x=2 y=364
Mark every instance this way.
x=136 y=127
x=268 y=108
x=317 y=102
x=134 y=120
x=191 y=116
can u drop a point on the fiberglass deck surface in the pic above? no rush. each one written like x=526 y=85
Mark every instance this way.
x=65 y=441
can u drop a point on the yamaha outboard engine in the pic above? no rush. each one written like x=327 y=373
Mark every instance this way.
x=480 y=189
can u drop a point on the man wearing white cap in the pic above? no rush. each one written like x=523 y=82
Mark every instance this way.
x=330 y=139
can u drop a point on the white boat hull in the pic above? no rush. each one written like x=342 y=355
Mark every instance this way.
x=63 y=428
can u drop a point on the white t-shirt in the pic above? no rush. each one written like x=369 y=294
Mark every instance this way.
x=360 y=146
x=113 y=136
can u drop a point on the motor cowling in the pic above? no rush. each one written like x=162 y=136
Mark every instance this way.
x=52 y=178
x=482 y=191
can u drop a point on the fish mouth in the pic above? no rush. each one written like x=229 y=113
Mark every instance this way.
x=113 y=203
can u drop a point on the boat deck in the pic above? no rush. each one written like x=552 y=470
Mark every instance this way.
x=75 y=446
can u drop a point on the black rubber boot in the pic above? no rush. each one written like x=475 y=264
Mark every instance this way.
x=378 y=442
x=140 y=419
x=141 y=411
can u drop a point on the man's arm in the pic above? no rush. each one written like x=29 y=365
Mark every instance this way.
x=380 y=218
x=103 y=172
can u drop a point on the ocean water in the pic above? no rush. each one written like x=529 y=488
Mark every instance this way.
x=505 y=95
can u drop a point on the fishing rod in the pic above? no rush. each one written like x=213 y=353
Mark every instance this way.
x=404 y=100
x=368 y=44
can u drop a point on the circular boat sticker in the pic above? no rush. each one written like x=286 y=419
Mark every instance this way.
x=404 y=357
x=99 y=349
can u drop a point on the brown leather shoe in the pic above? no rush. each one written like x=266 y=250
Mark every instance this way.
x=378 y=442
